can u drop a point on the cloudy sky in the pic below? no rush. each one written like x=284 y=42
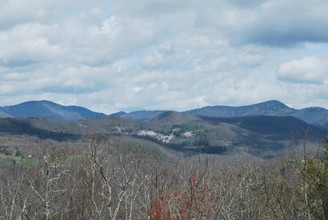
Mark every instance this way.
x=128 y=55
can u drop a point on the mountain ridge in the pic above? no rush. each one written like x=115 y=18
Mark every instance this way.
x=261 y=136
x=313 y=115
x=47 y=109
x=272 y=107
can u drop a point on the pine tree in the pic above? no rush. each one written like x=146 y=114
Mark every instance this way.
x=315 y=172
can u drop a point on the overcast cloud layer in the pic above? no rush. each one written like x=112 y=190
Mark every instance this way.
x=164 y=54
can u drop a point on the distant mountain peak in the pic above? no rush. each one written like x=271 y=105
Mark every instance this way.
x=273 y=108
x=273 y=103
x=49 y=109
x=38 y=102
x=270 y=107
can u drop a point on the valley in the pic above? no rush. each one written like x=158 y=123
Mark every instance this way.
x=263 y=130
x=60 y=162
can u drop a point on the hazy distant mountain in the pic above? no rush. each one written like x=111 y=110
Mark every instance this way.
x=51 y=110
x=273 y=108
x=313 y=115
x=46 y=109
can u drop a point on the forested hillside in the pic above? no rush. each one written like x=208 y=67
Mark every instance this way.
x=99 y=180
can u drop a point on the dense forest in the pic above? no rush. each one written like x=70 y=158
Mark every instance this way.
x=97 y=179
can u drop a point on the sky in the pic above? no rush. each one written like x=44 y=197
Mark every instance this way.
x=110 y=55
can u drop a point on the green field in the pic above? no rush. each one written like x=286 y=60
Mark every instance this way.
x=20 y=160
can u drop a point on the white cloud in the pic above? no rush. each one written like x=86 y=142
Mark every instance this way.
x=74 y=42
x=208 y=42
x=287 y=23
x=162 y=54
x=29 y=42
x=306 y=70
x=247 y=60
x=15 y=12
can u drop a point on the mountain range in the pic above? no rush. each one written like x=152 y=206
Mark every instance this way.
x=262 y=130
x=46 y=109
x=313 y=115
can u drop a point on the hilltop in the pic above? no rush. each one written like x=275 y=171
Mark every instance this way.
x=47 y=109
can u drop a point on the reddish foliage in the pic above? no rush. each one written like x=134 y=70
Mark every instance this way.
x=192 y=203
